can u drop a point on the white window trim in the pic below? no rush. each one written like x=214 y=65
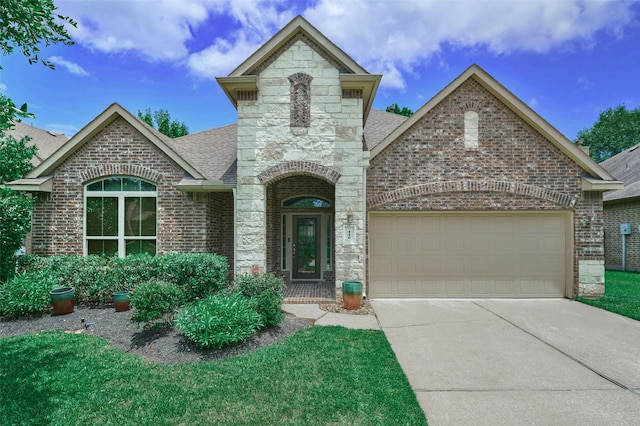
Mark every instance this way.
x=120 y=195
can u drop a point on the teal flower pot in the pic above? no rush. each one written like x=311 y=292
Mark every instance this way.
x=122 y=301
x=63 y=300
x=352 y=294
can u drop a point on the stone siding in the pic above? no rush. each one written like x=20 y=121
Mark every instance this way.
x=513 y=168
x=267 y=138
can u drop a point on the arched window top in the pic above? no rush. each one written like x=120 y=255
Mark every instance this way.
x=121 y=184
x=306 y=202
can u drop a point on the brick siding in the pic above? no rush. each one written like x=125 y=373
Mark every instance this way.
x=615 y=214
x=510 y=155
x=183 y=220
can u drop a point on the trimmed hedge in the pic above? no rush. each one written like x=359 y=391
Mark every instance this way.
x=96 y=278
x=155 y=299
x=26 y=294
x=266 y=292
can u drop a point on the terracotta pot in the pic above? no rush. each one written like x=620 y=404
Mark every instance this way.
x=352 y=294
x=63 y=300
x=122 y=301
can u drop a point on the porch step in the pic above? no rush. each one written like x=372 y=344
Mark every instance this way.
x=310 y=292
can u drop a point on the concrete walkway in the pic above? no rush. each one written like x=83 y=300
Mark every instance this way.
x=516 y=362
x=317 y=316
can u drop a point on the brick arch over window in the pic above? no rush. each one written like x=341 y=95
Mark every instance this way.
x=120 y=169
x=289 y=168
x=515 y=188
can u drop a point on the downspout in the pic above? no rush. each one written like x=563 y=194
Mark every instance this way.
x=365 y=220
x=235 y=233
x=624 y=252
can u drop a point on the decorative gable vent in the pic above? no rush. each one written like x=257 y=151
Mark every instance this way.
x=300 y=99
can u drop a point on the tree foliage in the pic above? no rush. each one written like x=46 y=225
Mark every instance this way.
x=161 y=120
x=615 y=130
x=394 y=108
x=26 y=24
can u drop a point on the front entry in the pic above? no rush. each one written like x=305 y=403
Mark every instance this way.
x=306 y=247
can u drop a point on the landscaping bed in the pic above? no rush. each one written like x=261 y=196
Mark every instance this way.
x=166 y=345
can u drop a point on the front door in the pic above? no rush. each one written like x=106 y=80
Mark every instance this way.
x=306 y=247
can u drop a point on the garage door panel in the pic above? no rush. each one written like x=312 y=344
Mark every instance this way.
x=468 y=255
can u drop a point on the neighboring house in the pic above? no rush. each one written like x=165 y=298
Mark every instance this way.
x=622 y=207
x=47 y=142
x=475 y=195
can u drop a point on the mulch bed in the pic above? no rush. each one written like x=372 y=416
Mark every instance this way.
x=162 y=346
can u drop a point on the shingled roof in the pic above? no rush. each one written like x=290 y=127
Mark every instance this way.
x=46 y=141
x=625 y=167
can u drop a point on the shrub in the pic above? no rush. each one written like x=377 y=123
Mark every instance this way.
x=219 y=320
x=266 y=292
x=26 y=294
x=155 y=299
x=198 y=274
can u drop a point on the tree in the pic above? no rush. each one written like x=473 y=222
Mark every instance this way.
x=394 y=108
x=161 y=120
x=615 y=130
x=15 y=208
x=26 y=25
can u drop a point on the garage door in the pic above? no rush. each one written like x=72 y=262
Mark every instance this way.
x=468 y=254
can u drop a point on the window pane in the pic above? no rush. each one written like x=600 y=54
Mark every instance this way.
x=94 y=216
x=130 y=184
x=148 y=217
x=284 y=242
x=141 y=246
x=106 y=247
x=307 y=202
x=113 y=184
x=102 y=216
x=110 y=216
x=132 y=216
x=146 y=186
x=95 y=186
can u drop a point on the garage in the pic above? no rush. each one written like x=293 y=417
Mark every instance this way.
x=469 y=254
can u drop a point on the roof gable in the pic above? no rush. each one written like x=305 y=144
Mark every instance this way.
x=352 y=75
x=517 y=106
x=161 y=141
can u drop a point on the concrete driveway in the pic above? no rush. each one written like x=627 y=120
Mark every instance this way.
x=516 y=362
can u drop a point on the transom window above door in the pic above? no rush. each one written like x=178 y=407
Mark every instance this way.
x=306 y=202
x=120 y=217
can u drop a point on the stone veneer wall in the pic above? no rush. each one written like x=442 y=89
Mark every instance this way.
x=616 y=213
x=513 y=168
x=332 y=139
x=118 y=149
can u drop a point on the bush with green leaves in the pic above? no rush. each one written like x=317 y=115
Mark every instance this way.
x=154 y=300
x=219 y=320
x=266 y=292
x=199 y=275
x=96 y=278
x=26 y=294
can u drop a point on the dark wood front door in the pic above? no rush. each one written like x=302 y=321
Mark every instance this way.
x=306 y=247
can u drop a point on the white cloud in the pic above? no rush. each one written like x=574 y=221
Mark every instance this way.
x=3 y=87
x=390 y=37
x=73 y=68
x=585 y=83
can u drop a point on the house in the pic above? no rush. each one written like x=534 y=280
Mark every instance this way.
x=475 y=195
x=622 y=212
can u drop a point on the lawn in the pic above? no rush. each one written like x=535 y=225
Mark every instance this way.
x=319 y=376
x=622 y=294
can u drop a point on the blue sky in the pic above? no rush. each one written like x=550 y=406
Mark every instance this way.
x=567 y=59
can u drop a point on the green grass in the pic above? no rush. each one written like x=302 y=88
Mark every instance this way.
x=621 y=294
x=319 y=376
